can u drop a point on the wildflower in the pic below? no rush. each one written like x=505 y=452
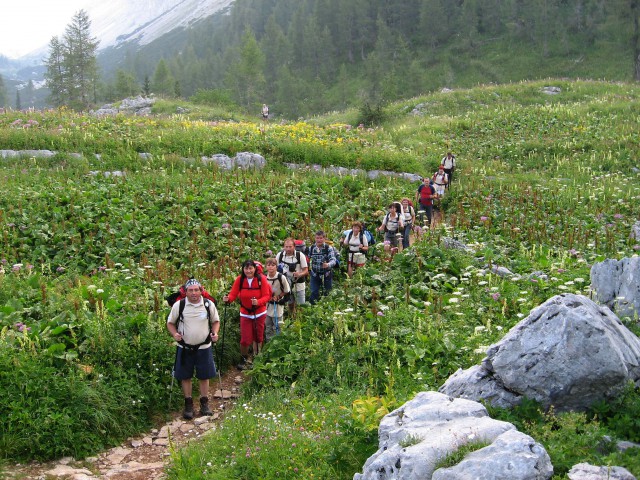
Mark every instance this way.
x=60 y=269
x=373 y=334
x=484 y=219
x=618 y=215
x=225 y=225
x=381 y=314
x=100 y=290
x=16 y=267
x=495 y=296
x=454 y=300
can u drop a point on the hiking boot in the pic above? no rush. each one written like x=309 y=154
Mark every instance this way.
x=204 y=407
x=243 y=365
x=187 y=414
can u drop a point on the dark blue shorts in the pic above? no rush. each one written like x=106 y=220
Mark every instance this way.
x=201 y=360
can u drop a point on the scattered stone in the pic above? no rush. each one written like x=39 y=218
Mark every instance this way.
x=164 y=432
x=585 y=471
x=137 y=443
x=65 y=471
x=569 y=352
x=623 y=445
x=130 y=106
x=224 y=394
x=206 y=426
x=635 y=231
x=617 y=285
x=147 y=441
x=145 y=156
x=238 y=379
x=118 y=454
x=128 y=469
x=65 y=460
x=223 y=161
x=161 y=442
x=186 y=427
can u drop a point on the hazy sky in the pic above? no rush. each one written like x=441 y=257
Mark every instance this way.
x=26 y=25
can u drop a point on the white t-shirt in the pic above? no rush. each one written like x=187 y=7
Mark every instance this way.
x=288 y=260
x=194 y=326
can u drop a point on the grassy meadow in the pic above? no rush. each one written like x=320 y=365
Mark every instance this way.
x=545 y=183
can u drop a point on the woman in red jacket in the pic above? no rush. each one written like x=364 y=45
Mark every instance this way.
x=253 y=291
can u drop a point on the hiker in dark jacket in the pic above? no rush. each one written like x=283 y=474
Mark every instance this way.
x=194 y=330
x=322 y=259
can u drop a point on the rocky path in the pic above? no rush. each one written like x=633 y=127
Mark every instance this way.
x=143 y=457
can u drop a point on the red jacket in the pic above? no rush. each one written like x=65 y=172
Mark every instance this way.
x=245 y=294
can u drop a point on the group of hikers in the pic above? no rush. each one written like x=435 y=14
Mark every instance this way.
x=194 y=322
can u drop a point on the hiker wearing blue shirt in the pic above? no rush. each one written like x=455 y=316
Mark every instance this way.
x=322 y=259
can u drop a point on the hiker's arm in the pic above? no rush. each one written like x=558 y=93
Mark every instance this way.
x=215 y=322
x=413 y=215
x=304 y=268
x=332 y=259
x=364 y=246
x=235 y=289
x=171 y=324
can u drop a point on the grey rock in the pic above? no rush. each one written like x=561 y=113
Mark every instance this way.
x=512 y=456
x=413 y=438
x=538 y=275
x=635 y=231
x=501 y=271
x=412 y=177
x=453 y=244
x=551 y=90
x=617 y=285
x=569 y=352
x=585 y=471
x=624 y=445
x=145 y=156
x=224 y=162
x=248 y=160
x=9 y=154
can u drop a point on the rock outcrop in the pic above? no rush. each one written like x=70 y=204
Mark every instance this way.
x=569 y=352
x=416 y=437
x=617 y=285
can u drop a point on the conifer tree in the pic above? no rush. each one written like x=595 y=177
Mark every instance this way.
x=72 y=69
x=163 y=82
x=18 y=102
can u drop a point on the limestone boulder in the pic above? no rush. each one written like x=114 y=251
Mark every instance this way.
x=569 y=352
x=415 y=437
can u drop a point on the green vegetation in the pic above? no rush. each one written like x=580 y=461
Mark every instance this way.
x=545 y=183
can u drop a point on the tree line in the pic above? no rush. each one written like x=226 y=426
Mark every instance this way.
x=308 y=56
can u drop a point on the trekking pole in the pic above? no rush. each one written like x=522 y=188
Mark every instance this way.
x=219 y=374
x=224 y=317
x=173 y=378
x=275 y=317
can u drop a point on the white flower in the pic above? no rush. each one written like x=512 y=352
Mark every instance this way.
x=347 y=310
x=479 y=329
x=519 y=315
x=100 y=290
x=482 y=283
x=454 y=300
x=426 y=304
x=579 y=280
x=373 y=334
x=563 y=287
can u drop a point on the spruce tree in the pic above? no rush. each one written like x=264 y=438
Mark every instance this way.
x=72 y=69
